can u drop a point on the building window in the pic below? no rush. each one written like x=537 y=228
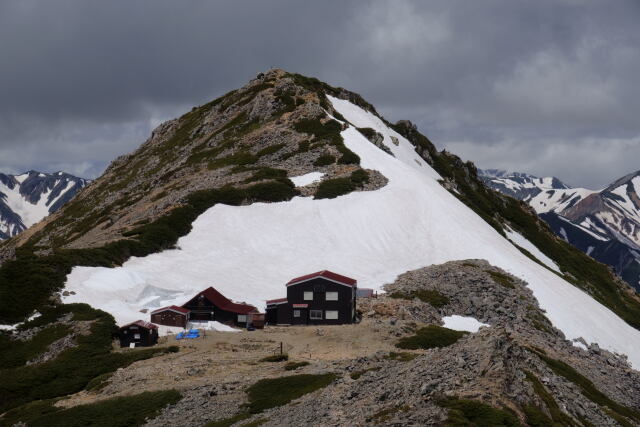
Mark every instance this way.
x=242 y=318
x=332 y=296
x=296 y=313
x=308 y=296
x=315 y=314
x=331 y=315
x=136 y=336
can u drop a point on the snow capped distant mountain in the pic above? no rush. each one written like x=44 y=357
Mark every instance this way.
x=520 y=185
x=27 y=198
x=604 y=224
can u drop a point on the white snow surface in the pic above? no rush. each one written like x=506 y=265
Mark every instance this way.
x=558 y=200
x=306 y=179
x=249 y=252
x=521 y=241
x=462 y=323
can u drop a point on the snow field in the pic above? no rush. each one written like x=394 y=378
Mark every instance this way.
x=248 y=253
x=462 y=323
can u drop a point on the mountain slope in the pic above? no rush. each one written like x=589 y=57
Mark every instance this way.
x=27 y=198
x=288 y=175
x=604 y=224
x=411 y=222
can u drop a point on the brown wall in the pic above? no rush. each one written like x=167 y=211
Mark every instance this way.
x=169 y=318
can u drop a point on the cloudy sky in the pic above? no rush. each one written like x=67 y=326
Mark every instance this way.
x=545 y=87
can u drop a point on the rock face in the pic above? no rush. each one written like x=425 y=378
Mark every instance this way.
x=511 y=364
x=26 y=199
x=603 y=224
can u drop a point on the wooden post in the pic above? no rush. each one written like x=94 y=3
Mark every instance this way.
x=280 y=347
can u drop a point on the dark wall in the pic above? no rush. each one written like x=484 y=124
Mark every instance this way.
x=147 y=337
x=319 y=286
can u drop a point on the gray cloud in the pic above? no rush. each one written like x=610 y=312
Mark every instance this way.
x=545 y=87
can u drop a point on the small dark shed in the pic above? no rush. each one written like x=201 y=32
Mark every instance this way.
x=138 y=333
x=171 y=316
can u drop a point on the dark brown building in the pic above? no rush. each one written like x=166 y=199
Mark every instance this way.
x=212 y=305
x=138 y=333
x=171 y=316
x=322 y=298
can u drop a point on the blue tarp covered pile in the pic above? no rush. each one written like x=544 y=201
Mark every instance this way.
x=192 y=333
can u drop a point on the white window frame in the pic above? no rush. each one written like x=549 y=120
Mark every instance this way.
x=331 y=315
x=315 y=312
x=242 y=318
x=296 y=313
x=331 y=296
x=308 y=295
x=136 y=336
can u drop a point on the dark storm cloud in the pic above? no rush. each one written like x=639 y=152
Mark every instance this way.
x=547 y=87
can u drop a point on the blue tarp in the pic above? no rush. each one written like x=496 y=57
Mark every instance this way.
x=193 y=333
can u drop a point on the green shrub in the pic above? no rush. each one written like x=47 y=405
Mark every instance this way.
x=99 y=382
x=588 y=389
x=267 y=173
x=332 y=188
x=14 y=353
x=241 y=158
x=386 y=414
x=115 y=412
x=359 y=177
x=430 y=296
x=272 y=191
x=474 y=413
x=74 y=368
x=349 y=158
x=357 y=374
x=536 y=419
x=276 y=358
x=501 y=279
x=270 y=150
x=292 y=366
x=273 y=392
x=324 y=160
x=431 y=336
x=329 y=130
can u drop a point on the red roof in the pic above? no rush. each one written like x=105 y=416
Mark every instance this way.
x=226 y=304
x=276 y=301
x=327 y=275
x=172 y=307
x=142 y=324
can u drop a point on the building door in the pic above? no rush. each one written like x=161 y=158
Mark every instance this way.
x=300 y=316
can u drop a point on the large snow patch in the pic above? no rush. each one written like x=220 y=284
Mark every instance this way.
x=249 y=252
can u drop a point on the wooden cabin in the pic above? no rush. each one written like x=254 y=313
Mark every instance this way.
x=321 y=298
x=212 y=305
x=138 y=334
x=171 y=316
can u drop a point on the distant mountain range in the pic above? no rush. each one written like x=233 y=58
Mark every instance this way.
x=27 y=198
x=605 y=224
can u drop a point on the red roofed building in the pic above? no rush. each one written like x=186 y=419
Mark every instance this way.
x=321 y=298
x=212 y=305
x=171 y=316
x=138 y=334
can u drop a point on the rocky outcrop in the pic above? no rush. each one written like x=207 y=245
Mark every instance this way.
x=511 y=364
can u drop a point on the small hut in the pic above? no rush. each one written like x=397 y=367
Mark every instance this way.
x=138 y=334
x=171 y=316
